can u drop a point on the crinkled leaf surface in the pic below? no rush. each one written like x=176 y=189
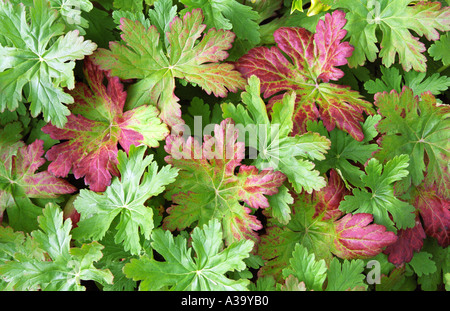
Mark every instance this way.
x=124 y=198
x=395 y=19
x=97 y=125
x=314 y=59
x=204 y=270
x=208 y=187
x=190 y=56
x=270 y=135
x=64 y=268
x=377 y=197
x=417 y=127
x=36 y=67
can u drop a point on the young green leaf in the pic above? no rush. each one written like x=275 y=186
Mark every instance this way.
x=228 y=15
x=124 y=198
x=347 y=275
x=274 y=141
x=439 y=50
x=306 y=268
x=64 y=267
x=345 y=151
x=183 y=271
x=37 y=67
x=391 y=79
x=377 y=196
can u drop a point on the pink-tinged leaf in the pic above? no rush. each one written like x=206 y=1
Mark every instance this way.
x=356 y=237
x=314 y=59
x=419 y=127
x=95 y=128
x=258 y=184
x=329 y=197
x=307 y=226
x=331 y=51
x=409 y=240
x=189 y=56
x=434 y=210
x=36 y=184
x=210 y=186
x=70 y=212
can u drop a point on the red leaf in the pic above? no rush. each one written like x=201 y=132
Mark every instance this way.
x=257 y=184
x=95 y=127
x=37 y=184
x=314 y=59
x=435 y=212
x=409 y=240
x=357 y=238
x=329 y=197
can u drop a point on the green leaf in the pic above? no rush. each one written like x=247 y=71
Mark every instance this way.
x=142 y=55
x=377 y=196
x=71 y=13
x=39 y=65
x=418 y=82
x=181 y=271
x=65 y=267
x=277 y=148
x=228 y=15
x=422 y=263
x=161 y=16
x=129 y=5
x=395 y=20
x=417 y=127
x=345 y=152
x=439 y=50
x=347 y=275
x=306 y=268
x=125 y=198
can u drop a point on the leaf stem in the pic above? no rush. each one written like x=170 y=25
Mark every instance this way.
x=442 y=68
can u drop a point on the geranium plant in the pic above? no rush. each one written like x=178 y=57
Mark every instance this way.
x=224 y=145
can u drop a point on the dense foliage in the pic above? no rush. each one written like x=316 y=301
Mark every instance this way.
x=224 y=145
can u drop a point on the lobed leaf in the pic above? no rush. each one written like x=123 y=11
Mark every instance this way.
x=97 y=125
x=210 y=185
x=142 y=56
